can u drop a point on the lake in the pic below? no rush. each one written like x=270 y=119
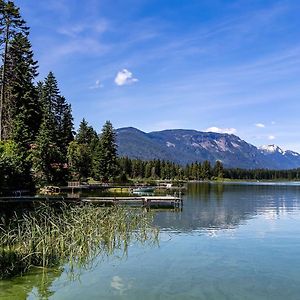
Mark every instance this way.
x=230 y=241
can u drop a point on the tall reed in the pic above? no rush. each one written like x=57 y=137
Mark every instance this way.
x=48 y=236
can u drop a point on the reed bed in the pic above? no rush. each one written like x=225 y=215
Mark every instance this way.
x=48 y=237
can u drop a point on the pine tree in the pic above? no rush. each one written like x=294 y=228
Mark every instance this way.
x=51 y=147
x=11 y=24
x=56 y=105
x=105 y=156
x=86 y=134
x=24 y=118
x=46 y=155
x=206 y=170
x=81 y=151
x=218 y=170
x=64 y=125
x=79 y=160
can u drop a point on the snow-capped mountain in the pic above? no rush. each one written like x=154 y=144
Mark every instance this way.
x=187 y=146
x=280 y=158
x=271 y=149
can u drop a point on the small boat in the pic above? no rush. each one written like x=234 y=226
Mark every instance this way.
x=50 y=190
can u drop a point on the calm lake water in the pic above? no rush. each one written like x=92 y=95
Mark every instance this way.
x=230 y=241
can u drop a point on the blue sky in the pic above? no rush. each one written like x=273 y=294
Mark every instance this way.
x=216 y=65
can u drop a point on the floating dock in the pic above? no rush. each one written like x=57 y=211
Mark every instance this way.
x=140 y=201
x=144 y=201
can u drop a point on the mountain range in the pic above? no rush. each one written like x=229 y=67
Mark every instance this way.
x=186 y=146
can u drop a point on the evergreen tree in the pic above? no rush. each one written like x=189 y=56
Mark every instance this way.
x=55 y=134
x=218 y=170
x=105 y=157
x=46 y=156
x=64 y=125
x=11 y=24
x=206 y=170
x=79 y=160
x=148 y=169
x=24 y=117
x=55 y=103
x=81 y=151
x=86 y=134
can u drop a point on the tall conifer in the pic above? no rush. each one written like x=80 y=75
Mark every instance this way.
x=24 y=116
x=105 y=157
x=11 y=24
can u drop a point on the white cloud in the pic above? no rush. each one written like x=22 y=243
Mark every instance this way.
x=75 y=30
x=221 y=130
x=119 y=284
x=125 y=77
x=260 y=125
x=271 y=137
x=97 y=85
x=273 y=122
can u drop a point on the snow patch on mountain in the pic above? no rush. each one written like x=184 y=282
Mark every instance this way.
x=222 y=145
x=196 y=145
x=289 y=152
x=271 y=149
x=169 y=144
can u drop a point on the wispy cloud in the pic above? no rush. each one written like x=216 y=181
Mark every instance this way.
x=260 y=125
x=97 y=85
x=125 y=77
x=84 y=27
x=271 y=137
x=221 y=130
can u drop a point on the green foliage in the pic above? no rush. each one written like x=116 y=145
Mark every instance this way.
x=79 y=160
x=49 y=153
x=218 y=170
x=86 y=134
x=105 y=154
x=46 y=156
x=21 y=97
x=81 y=151
x=14 y=34
x=14 y=166
x=56 y=105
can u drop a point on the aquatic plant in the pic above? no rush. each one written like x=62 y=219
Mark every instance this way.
x=50 y=236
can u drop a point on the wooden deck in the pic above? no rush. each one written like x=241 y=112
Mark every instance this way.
x=143 y=201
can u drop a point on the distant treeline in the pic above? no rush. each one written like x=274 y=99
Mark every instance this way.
x=159 y=169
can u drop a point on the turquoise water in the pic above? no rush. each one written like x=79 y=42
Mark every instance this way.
x=230 y=241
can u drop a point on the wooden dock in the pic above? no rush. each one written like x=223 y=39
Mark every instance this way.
x=144 y=201
x=135 y=201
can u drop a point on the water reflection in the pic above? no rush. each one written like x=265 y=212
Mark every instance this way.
x=71 y=240
x=217 y=206
x=36 y=283
x=257 y=258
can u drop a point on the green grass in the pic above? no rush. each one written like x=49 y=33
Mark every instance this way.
x=48 y=237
